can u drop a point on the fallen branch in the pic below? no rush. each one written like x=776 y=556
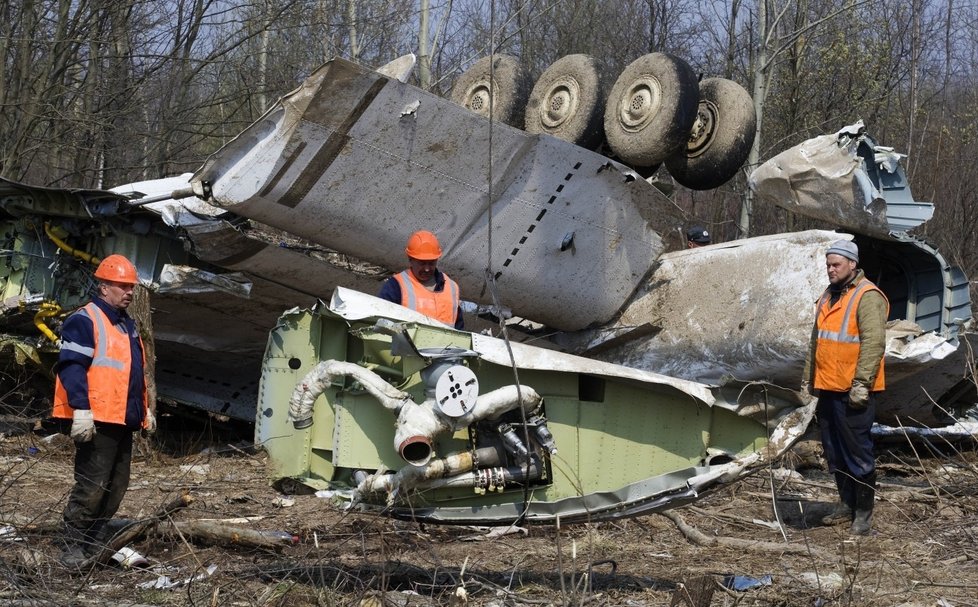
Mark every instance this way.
x=701 y=539
x=212 y=531
x=127 y=534
x=217 y=533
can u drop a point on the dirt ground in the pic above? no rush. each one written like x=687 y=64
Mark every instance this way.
x=922 y=553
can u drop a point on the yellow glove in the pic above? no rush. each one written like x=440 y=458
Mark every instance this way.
x=858 y=396
x=150 y=425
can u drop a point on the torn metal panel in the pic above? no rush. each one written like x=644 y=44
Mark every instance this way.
x=845 y=180
x=209 y=335
x=339 y=163
x=605 y=441
x=708 y=325
x=19 y=199
x=188 y=280
x=399 y=69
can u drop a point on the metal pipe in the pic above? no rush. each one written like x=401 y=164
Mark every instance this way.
x=417 y=424
x=64 y=246
x=174 y=195
x=322 y=375
x=453 y=470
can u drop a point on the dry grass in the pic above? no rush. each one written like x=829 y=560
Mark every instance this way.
x=923 y=552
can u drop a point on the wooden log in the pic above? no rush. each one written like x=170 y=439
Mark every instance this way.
x=127 y=534
x=141 y=311
x=215 y=532
x=701 y=539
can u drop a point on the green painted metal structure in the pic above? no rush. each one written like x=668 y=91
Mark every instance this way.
x=628 y=442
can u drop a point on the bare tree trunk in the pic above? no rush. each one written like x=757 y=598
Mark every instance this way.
x=424 y=54
x=915 y=53
x=263 y=70
x=141 y=311
x=731 y=40
x=351 y=15
x=761 y=79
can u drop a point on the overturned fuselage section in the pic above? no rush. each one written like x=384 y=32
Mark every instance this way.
x=420 y=421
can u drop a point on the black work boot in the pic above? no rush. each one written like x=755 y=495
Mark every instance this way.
x=842 y=513
x=94 y=539
x=865 y=492
x=73 y=556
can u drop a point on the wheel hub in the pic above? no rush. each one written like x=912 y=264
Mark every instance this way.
x=478 y=98
x=640 y=103
x=560 y=103
x=704 y=127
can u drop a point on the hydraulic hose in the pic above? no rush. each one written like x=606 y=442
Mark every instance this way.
x=64 y=246
x=47 y=310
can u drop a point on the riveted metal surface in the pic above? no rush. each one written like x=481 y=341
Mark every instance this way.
x=436 y=161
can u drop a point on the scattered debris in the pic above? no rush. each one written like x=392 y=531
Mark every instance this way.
x=742 y=583
x=164 y=582
x=129 y=558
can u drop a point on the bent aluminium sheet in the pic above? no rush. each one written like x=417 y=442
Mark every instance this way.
x=356 y=161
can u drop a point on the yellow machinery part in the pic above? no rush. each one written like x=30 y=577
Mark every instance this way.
x=64 y=246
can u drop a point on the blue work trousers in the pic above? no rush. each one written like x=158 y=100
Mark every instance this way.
x=846 y=438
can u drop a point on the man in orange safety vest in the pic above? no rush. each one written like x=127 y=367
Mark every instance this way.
x=100 y=387
x=423 y=287
x=845 y=368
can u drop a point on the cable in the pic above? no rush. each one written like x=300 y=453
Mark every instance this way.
x=490 y=277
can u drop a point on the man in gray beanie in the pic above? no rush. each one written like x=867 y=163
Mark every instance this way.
x=845 y=369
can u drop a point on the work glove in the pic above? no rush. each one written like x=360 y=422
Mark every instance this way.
x=858 y=396
x=806 y=388
x=150 y=423
x=82 y=426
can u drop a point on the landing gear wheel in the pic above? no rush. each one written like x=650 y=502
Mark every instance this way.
x=568 y=102
x=721 y=137
x=507 y=87
x=651 y=109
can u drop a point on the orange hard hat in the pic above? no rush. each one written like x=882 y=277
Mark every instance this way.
x=423 y=245
x=116 y=268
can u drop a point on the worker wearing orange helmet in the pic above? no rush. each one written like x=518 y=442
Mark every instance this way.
x=423 y=287
x=101 y=388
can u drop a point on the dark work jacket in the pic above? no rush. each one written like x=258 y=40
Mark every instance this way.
x=72 y=367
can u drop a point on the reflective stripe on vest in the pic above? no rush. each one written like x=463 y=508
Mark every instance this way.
x=837 y=346
x=440 y=305
x=108 y=375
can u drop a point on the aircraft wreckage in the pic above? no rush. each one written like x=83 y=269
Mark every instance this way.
x=425 y=422
x=660 y=379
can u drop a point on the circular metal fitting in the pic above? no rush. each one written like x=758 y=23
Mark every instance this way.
x=640 y=103
x=456 y=391
x=701 y=135
x=560 y=102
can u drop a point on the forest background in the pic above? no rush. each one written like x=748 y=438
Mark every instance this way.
x=97 y=93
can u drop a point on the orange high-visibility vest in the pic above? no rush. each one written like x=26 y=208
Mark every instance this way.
x=837 y=346
x=440 y=305
x=108 y=375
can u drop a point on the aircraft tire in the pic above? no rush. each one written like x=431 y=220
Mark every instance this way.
x=651 y=109
x=507 y=84
x=720 y=139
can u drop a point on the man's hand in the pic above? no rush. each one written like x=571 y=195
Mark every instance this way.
x=858 y=396
x=806 y=388
x=82 y=426
x=150 y=423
